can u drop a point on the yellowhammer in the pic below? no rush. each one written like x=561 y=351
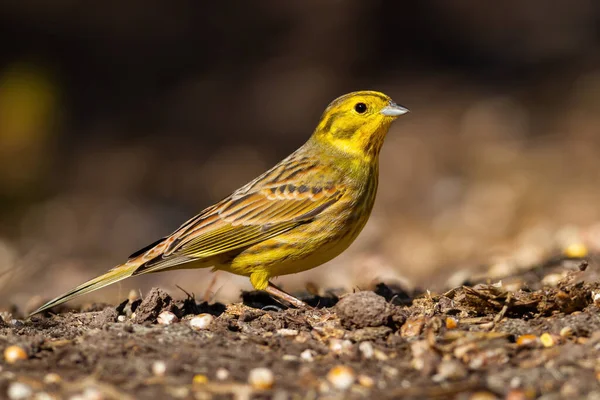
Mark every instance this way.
x=301 y=213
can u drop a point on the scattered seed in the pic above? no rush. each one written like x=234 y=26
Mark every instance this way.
x=366 y=348
x=18 y=391
x=547 y=340
x=52 y=378
x=307 y=355
x=201 y=322
x=302 y=337
x=449 y=370
x=553 y=280
x=526 y=340
x=133 y=295
x=91 y=393
x=380 y=355
x=390 y=372
x=166 y=318
x=366 y=381
x=517 y=394
x=200 y=379
x=159 y=368
x=412 y=327
x=222 y=374
x=324 y=387
x=287 y=332
x=566 y=332
x=482 y=396
x=12 y=354
x=43 y=396
x=261 y=378
x=451 y=323
x=341 y=377
x=513 y=286
x=179 y=392
x=576 y=250
x=339 y=346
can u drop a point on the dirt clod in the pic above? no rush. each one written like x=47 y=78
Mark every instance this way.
x=109 y=314
x=155 y=302
x=363 y=309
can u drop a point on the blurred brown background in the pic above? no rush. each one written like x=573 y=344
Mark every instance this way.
x=120 y=120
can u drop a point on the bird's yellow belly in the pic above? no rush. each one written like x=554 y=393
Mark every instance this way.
x=300 y=249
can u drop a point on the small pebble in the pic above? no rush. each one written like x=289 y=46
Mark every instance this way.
x=18 y=391
x=16 y=323
x=307 y=355
x=366 y=348
x=222 y=374
x=121 y=318
x=341 y=377
x=159 y=368
x=201 y=322
x=166 y=318
x=12 y=354
x=261 y=378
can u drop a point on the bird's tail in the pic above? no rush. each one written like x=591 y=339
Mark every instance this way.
x=114 y=275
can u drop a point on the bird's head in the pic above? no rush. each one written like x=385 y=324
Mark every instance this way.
x=357 y=123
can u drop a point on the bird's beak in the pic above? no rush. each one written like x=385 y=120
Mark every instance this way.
x=393 y=110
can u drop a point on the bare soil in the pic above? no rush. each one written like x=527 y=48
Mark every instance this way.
x=481 y=340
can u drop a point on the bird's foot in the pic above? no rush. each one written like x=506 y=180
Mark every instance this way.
x=280 y=294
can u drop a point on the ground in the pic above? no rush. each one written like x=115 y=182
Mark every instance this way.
x=535 y=333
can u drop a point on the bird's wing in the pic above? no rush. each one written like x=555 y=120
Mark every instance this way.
x=242 y=220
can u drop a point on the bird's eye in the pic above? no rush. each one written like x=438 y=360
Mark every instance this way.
x=360 y=108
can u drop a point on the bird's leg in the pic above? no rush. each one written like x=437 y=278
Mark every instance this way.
x=278 y=293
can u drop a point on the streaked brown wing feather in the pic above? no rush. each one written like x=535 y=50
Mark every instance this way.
x=252 y=218
x=270 y=205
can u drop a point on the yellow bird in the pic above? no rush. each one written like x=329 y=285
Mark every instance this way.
x=298 y=215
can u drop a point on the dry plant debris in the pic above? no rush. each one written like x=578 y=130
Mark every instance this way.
x=475 y=341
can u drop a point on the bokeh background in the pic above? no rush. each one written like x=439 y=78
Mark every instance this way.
x=120 y=120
